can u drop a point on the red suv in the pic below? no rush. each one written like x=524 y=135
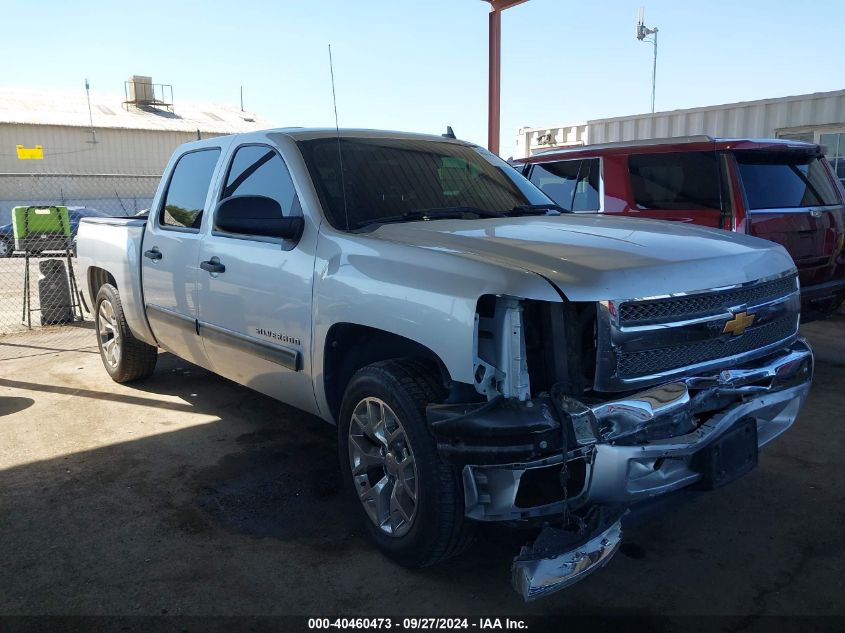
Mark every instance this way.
x=784 y=191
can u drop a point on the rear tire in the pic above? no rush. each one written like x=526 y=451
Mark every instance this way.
x=397 y=465
x=6 y=248
x=124 y=357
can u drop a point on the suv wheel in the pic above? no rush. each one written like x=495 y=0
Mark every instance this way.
x=411 y=501
x=5 y=247
x=124 y=357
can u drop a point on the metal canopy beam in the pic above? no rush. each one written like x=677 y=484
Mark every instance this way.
x=494 y=85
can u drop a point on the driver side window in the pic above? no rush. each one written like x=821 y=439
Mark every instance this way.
x=257 y=170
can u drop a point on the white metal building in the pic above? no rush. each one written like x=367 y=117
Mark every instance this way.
x=817 y=117
x=112 y=154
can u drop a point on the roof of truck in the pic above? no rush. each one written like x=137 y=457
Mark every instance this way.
x=313 y=133
x=679 y=143
x=310 y=133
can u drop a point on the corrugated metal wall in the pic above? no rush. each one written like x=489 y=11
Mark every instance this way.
x=117 y=175
x=752 y=119
x=69 y=150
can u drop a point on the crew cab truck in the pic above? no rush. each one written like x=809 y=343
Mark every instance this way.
x=485 y=356
x=780 y=190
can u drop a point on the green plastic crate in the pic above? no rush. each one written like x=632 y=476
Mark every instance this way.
x=40 y=228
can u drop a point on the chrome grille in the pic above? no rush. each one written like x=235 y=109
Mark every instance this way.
x=692 y=306
x=646 y=341
x=655 y=361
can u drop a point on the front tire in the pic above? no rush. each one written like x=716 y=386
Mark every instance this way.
x=410 y=501
x=124 y=357
x=6 y=248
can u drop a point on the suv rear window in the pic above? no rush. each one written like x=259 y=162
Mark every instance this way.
x=785 y=180
x=677 y=180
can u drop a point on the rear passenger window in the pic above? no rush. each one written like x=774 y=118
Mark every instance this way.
x=573 y=184
x=258 y=170
x=681 y=180
x=188 y=189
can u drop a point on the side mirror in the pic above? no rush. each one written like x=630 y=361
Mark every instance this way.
x=256 y=215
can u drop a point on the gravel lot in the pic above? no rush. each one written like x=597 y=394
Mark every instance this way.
x=187 y=494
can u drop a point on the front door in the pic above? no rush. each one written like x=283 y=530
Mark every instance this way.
x=572 y=184
x=170 y=255
x=255 y=297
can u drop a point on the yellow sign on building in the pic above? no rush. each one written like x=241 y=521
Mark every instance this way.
x=30 y=153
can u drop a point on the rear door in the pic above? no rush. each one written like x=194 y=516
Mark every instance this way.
x=680 y=186
x=170 y=255
x=255 y=314
x=791 y=199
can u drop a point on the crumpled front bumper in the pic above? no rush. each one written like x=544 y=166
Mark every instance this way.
x=627 y=450
x=645 y=445
x=772 y=395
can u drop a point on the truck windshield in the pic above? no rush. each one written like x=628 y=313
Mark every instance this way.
x=784 y=180
x=390 y=180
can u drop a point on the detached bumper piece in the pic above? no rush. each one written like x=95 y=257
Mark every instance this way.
x=559 y=558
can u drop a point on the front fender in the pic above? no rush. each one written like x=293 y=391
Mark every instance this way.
x=426 y=296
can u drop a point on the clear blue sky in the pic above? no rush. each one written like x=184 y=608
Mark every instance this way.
x=421 y=65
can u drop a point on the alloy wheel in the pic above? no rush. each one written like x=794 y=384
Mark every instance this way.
x=108 y=333
x=383 y=467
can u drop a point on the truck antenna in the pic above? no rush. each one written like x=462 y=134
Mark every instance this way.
x=339 y=152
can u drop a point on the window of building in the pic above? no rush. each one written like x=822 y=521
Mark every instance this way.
x=676 y=180
x=835 y=144
x=573 y=184
x=804 y=137
x=188 y=189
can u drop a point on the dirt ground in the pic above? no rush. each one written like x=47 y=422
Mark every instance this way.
x=187 y=494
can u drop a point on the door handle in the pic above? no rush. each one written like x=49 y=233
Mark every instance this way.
x=213 y=266
x=153 y=254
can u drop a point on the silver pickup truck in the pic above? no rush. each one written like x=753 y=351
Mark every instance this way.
x=484 y=355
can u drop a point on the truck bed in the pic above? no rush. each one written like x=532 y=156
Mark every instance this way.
x=114 y=245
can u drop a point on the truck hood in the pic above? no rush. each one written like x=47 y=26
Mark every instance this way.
x=592 y=257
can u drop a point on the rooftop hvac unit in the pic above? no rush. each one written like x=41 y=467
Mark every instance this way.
x=142 y=93
x=141 y=89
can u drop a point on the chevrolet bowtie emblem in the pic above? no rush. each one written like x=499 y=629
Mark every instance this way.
x=738 y=324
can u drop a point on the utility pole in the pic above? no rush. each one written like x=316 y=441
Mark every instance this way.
x=90 y=116
x=642 y=34
x=494 y=89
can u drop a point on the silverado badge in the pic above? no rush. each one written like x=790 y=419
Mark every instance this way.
x=738 y=324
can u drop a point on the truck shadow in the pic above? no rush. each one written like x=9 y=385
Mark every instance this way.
x=251 y=468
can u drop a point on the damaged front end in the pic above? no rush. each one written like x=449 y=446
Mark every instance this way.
x=573 y=465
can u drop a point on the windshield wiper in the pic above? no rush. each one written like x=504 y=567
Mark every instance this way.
x=459 y=213
x=537 y=209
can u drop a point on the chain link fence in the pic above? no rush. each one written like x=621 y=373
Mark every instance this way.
x=38 y=284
